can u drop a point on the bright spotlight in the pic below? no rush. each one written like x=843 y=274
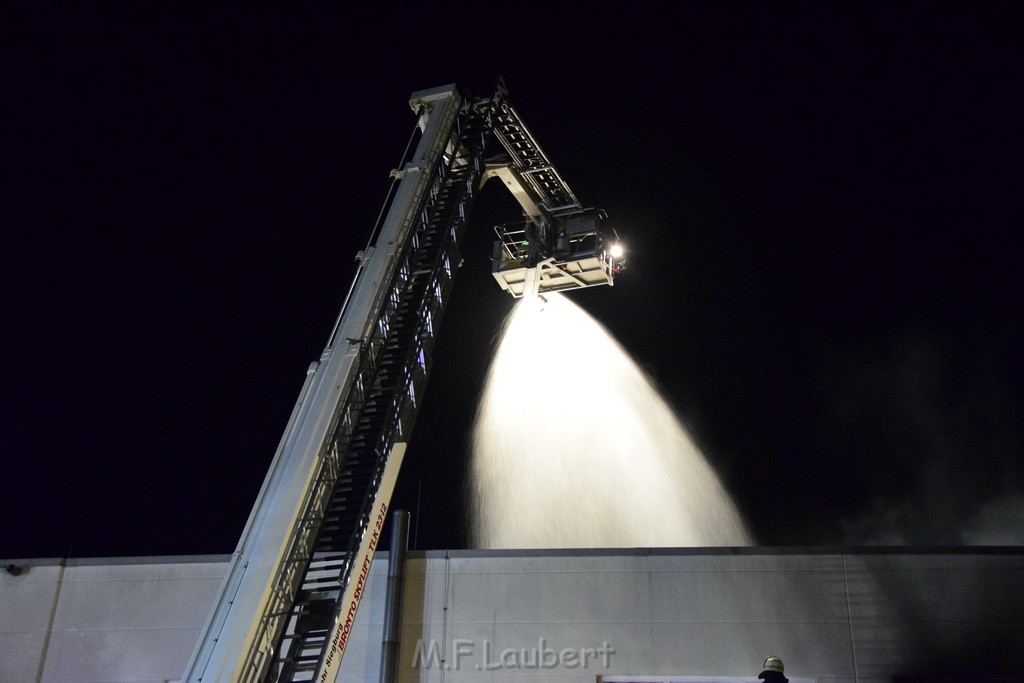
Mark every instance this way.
x=616 y=250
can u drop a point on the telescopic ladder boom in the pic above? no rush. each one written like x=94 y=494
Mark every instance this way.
x=293 y=585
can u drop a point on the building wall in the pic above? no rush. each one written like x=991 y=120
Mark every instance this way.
x=660 y=615
x=698 y=613
x=132 y=619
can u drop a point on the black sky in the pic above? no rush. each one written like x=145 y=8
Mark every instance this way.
x=822 y=208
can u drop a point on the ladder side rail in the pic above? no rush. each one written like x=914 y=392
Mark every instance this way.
x=295 y=563
x=229 y=586
x=284 y=664
x=529 y=161
x=233 y=625
x=405 y=407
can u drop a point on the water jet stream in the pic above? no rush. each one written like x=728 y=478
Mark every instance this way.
x=574 y=447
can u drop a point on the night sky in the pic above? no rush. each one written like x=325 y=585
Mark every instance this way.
x=822 y=208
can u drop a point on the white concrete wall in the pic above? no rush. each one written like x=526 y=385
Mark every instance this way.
x=25 y=607
x=690 y=613
x=679 y=615
x=132 y=619
x=665 y=614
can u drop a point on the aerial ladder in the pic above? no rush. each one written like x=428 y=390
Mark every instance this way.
x=289 y=598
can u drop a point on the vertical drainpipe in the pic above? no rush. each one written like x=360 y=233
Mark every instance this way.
x=393 y=598
x=49 y=624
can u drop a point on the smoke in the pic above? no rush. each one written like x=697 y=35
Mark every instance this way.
x=1000 y=521
x=933 y=437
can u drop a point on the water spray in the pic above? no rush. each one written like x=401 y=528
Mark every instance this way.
x=573 y=446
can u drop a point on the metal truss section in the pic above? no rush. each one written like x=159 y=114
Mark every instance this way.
x=379 y=410
x=309 y=541
x=529 y=160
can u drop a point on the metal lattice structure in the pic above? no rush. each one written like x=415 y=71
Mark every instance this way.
x=379 y=411
x=294 y=583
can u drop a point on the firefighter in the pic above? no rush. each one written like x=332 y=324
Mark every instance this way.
x=773 y=671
